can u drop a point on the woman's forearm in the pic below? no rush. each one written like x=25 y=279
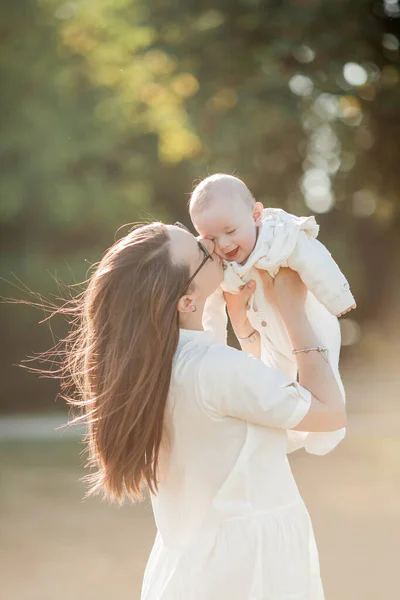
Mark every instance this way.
x=288 y=294
x=315 y=373
x=252 y=346
x=248 y=337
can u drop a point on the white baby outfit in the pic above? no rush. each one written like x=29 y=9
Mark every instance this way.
x=285 y=240
x=231 y=522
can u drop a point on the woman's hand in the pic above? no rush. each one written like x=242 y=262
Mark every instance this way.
x=286 y=292
x=237 y=307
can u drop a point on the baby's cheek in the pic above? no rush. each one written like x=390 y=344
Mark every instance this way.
x=245 y=242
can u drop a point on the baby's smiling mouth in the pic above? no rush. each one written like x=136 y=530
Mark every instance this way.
x=232 y=254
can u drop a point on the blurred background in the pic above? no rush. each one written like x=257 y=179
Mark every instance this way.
x=111 y=111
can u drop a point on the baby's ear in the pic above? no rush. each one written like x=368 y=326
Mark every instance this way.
x=257 y=213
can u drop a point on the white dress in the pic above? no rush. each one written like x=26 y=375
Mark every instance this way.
x=231 y=522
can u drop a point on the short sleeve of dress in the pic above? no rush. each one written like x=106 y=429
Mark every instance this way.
x=235 y=384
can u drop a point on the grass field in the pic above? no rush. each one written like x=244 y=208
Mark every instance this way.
x=55 y=546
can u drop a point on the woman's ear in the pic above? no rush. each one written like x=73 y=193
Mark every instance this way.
x=257 y=213
x=186 y=304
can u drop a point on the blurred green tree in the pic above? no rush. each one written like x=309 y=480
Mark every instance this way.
x=300 y=97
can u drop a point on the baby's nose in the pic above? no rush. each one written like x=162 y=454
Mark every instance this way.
x=224 y=243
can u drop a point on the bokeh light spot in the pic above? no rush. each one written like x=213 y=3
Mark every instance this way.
x=390 y=42
x=211 y=19
x=304 y=54
x=301 y=85
x=349 y=107
x=316 y=186
x=325 y=139
x=319 y=200
x=355 y=74
x=364 y=203
x=224 y=99
x=153 y=93
x=392 y=8
x=65 y=11
x=178 y=144
x=159 y=62
x=326 y=106
x=185 y=85
x=348 y=160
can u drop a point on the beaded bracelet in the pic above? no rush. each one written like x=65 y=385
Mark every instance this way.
x=322 y=349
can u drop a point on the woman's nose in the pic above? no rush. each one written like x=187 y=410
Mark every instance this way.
x=209 y=245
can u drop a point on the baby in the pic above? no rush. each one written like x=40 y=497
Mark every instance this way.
x=249 y=237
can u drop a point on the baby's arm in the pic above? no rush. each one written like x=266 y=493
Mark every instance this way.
x=321 y=274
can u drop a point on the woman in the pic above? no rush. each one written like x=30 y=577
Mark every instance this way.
x=201 y=424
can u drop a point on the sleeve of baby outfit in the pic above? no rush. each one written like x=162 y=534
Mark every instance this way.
x=321 y=274
x=215 y=318
x=235 y=384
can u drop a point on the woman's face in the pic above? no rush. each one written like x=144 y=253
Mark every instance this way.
x=185 y=248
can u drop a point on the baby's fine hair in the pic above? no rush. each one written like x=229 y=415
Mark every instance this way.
x=217 y=186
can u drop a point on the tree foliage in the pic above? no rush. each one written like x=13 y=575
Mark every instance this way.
x=112 y=108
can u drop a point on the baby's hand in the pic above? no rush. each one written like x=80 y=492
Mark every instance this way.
x=348 y=310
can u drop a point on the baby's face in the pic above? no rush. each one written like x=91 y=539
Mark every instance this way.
x=231 y=224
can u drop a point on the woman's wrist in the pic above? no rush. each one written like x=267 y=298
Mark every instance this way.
x=242 y=328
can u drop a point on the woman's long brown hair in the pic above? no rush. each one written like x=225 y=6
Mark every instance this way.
x=119 y=359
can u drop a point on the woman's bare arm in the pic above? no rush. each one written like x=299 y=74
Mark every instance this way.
x=236 y=305
x=327 y=411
